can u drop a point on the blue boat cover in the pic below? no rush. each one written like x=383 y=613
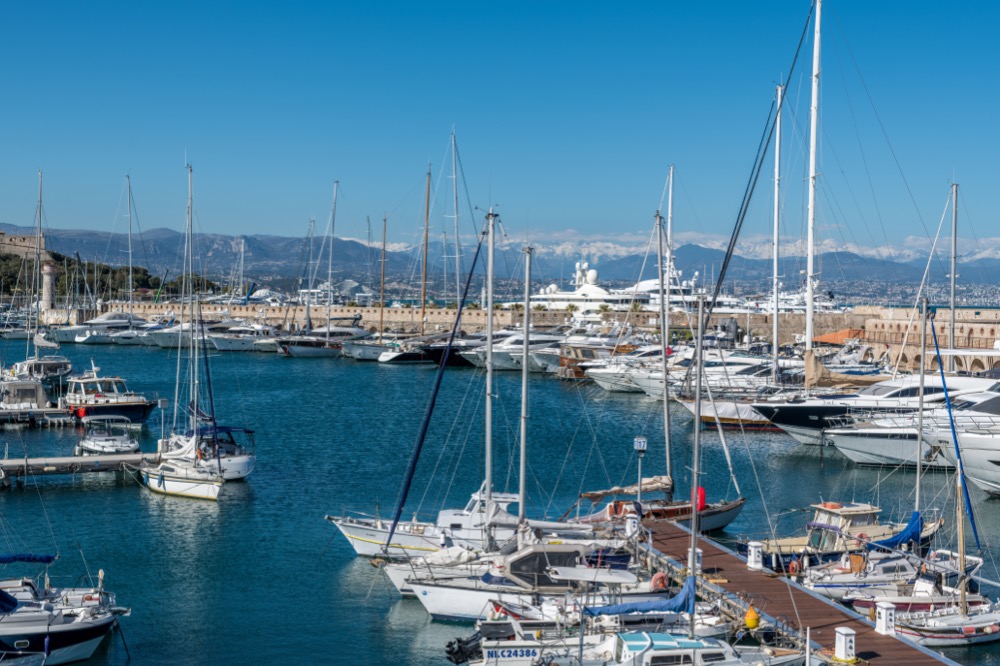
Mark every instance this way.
x=27 y=557
x=910 y=533
x=7 y=602
x=682 y=602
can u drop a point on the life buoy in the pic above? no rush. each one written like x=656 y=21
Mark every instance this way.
x=793 y=566
x=658 y=582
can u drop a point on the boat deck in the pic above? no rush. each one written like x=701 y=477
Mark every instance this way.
x=787 y=603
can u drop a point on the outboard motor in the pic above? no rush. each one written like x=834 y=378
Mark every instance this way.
x=462 y=650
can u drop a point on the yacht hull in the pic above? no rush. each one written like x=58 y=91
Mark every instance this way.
x=181 y=486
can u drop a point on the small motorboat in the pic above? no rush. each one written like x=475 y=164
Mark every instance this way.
x=107 y=435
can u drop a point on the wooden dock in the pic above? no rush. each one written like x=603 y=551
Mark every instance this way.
x=21 y=468
x=790 y=606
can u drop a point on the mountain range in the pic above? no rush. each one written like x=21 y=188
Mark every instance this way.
x=271 y=260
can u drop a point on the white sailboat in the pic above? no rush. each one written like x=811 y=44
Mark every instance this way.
x=191 y=458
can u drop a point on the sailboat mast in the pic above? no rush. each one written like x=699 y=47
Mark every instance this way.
x=194 y=323
x=488 y=404
x=959 y=500
x=811 y=233
x=131 y=313
x=920 y=405
x=664 y=288
x=774 y=250
x=38 y=266
x=695 y=452
x=423 y=273
x=458 y=238
x=329 y=261
x=523 y=472
x=381 y=288
x=954 y=268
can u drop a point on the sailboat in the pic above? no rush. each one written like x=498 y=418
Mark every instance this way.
x=199 y=455
x=370 y=535
x=714 y=516
x=325 y=341
x=959 y=623
x=371 y=350
x=48 y=371
x=415 y=351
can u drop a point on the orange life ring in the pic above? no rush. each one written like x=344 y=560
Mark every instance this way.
x=658 y=582
x=793 y=567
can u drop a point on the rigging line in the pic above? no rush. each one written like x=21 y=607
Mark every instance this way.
x=885 y=134
x=960 y=467
x=923 y=283
x=422 y=434
x=769 y=130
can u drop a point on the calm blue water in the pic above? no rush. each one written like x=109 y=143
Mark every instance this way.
x=260 y=577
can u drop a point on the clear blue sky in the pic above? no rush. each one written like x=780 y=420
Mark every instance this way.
x=567 y=113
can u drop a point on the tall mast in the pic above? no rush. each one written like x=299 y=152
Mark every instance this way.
x=664 y=288
x=423 y=273
x=960 y=501
x=329 y=260
x=458 y=239
x=920 y=406
x=381 y=288
x=523 y=472
x=774 y=249
x=243 y=249
x=38 y=265
x=695 y=452
x=954 y=268
x=128 y=183
x=488 y=406
x=194 y=323
x=813 y=130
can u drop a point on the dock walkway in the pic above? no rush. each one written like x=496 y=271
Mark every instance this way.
x=20 y=468
x=786 y=602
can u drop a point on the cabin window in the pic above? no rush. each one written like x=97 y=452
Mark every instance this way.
x=671 y=659
x=712 y=657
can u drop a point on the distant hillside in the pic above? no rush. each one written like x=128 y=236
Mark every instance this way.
x=272 y=260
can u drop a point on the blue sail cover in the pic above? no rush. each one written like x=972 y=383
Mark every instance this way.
x=682 y=602
x=7 y=602
x=27 y=557
x=910 y=533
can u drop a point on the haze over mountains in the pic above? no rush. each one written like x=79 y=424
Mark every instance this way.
x=273 y=258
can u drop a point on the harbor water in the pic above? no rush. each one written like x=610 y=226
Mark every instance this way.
x=261 y=577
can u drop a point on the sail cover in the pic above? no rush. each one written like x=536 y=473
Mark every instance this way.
x=26 y=557
x=682 y=602
x=910 y=533
x=649 y=484
x=7 y=602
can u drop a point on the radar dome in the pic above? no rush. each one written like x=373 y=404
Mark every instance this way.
x=592 y=276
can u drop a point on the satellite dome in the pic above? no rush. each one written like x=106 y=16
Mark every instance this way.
x=592 y=276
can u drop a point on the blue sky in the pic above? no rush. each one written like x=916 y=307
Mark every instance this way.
x=567 y=113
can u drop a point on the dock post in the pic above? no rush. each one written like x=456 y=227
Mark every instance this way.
x=844 y=647
x=885 y=618
x=755 y=556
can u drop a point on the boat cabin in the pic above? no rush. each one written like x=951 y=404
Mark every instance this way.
x=97 y=387
x=669 y=648
x=834 y=522
x=23 y=394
